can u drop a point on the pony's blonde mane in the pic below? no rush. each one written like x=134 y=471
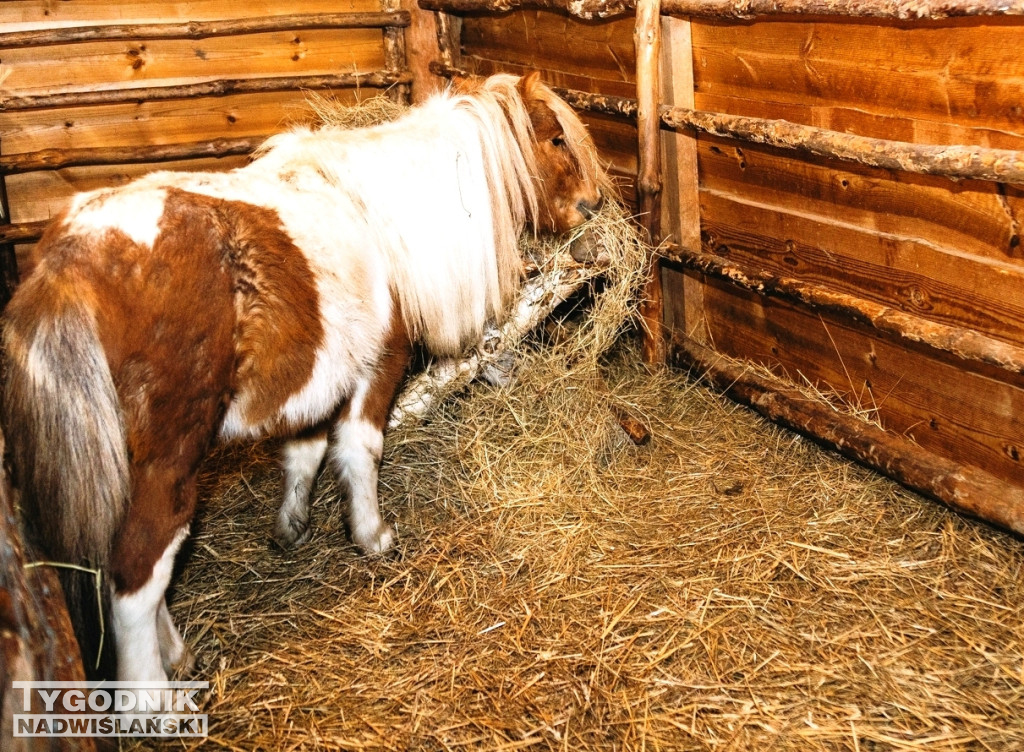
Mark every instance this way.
x=449 y=212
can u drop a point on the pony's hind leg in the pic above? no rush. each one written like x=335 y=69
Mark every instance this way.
x=301 y=458
x=136 y=615
x=174 y=653
x=358 y=443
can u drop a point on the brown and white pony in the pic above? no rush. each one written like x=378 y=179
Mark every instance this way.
x=281 y=298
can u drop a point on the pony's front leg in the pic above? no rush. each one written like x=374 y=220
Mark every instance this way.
x=358 y=443
x=301 y=459
x=356 y=453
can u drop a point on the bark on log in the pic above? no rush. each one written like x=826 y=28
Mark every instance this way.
x=203 y=29
x=23 y=232
x=222 y=87
x=395 y=56
x=961 y=487
x=449 y=31
x=633 y=427
x=955 y=162
x=538 y=298
x=57 y=159
x=967 y=344
x=746 y=9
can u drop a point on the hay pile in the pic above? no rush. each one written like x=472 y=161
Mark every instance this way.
x=727 y=586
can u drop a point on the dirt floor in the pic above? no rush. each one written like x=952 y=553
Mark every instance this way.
x=727 y=586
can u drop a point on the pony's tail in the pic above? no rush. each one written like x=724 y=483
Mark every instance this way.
x=65 y=435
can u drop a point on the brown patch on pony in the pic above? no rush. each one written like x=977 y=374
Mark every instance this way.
x=223 y=302
x=166 y=319
x=277 y=307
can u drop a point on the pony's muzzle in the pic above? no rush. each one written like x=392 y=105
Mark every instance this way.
x=589 y=209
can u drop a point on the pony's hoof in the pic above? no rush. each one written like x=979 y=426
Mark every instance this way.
x=292 y=534
x=378 y=543
x=182 y=665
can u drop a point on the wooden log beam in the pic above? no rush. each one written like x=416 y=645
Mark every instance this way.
x=203 y=29
x=955 y=162
x=746 y=9
x=967 y=344
x=962 y=487
x=58 y=159
x=539 y=296
x=22 y=232
x=217 y=88
x=647 y=39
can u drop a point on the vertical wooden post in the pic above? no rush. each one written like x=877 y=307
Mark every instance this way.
x=680 y=216
x=394 y=54
x=449 y=33
x=647 y=38
x=421 y=48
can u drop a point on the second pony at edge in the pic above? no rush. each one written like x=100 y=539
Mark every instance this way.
x=281 y=298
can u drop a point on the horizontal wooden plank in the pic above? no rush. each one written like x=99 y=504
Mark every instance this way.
x=965 y=488
x=963 y=342
x=965 y=71
x=972 y=217
x=539 y=39
x=974 y=414
x=594 y=9
x=40 y=196
x=903 y=272
x=86 y=66
x=160 y=122
x=35 y=14
x=892 y=126
x=57 y=159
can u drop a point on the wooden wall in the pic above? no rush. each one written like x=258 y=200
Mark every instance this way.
x=45 y=70
x=934 y=251
x=941 y=251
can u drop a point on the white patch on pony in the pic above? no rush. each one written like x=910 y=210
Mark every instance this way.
x=135 y=210
x=448 y=229
x=135 y=618
x=300 y=459
x=356 y=453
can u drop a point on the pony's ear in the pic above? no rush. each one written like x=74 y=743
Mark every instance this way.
x=528 y=85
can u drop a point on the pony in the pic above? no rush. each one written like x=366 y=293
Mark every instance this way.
x=282 y=298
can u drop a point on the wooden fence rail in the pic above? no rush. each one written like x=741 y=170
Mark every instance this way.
x=745 y=9
x=203 y=29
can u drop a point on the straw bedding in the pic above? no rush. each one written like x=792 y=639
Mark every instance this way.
x=726 y=586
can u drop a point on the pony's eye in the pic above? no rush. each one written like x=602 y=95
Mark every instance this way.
x=558 y=141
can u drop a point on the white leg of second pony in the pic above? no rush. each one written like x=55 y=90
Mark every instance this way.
x=355 y=453
x=301 y=459
x=135 y=619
